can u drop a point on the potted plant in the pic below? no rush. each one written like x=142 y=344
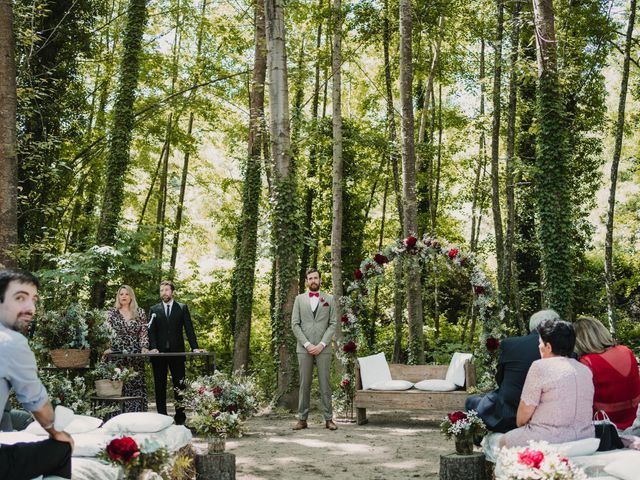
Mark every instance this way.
x=109 y=379
x=216 y=426
x=463 y=426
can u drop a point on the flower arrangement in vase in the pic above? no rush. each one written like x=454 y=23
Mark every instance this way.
x=538 y=461
x=109 y=378
x=463 y=427
x=147 y=460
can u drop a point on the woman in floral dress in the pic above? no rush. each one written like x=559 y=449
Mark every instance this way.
x=129 y=324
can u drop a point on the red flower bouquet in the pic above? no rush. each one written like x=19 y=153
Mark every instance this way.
x=123 y=450
x=350 y=347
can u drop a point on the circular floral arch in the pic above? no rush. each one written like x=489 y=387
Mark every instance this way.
x=422 y=251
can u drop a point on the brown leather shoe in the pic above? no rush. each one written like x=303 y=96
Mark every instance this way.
x=300 y=425
x=330 y=425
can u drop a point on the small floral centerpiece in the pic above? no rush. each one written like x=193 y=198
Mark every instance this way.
x=463 y=426
x=110 y=378
x=217 y=426
x=538 y=461
x=136 y=460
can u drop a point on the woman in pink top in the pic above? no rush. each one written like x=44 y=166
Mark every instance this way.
x=615 y=372
x=555 y=405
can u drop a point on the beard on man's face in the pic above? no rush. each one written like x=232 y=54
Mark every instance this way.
x=314 y=286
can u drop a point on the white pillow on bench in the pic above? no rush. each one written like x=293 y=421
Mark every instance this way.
x=374 y=370
x=392 y=385
x=436 y=385
x=455 y=372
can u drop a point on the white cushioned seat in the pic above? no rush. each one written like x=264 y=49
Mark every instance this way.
x=455 y=372
x=392 y=385
x=79 y=424
x=138 y=422
x=374 y=369
x=436 y=385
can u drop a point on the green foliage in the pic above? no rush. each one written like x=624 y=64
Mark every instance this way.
x=70 y=328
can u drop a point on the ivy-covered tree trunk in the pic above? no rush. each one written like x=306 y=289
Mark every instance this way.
x=617 y=150
x=244 y=274
x=495 y=145
x=414 y=282
x=337 y=173
x=286 y=228
x=8 y=158
x=121 y=132
x=552 y=161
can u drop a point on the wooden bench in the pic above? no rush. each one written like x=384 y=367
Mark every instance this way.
x=438 y=402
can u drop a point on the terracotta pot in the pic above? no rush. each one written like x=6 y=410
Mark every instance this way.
x=464 y=445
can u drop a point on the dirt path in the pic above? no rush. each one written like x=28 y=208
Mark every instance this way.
x=393 y=445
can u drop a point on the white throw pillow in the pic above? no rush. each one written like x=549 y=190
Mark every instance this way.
x=579 y=448
x=392 y=385
x=138 y=422
x=91 y=444
x=79 y=424
x=626 y=469
x=436 y=385
x=374 y=369
x=455 y=372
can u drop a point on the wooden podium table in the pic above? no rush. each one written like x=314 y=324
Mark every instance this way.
x=209 y=357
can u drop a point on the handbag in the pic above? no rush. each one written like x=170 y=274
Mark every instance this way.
x=607 y=432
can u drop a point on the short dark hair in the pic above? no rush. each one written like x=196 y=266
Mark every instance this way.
x=169 y=284
x=310 y=271
x=8 y=276
x=560 y=334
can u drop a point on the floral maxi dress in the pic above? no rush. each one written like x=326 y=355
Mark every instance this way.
x=131 y=336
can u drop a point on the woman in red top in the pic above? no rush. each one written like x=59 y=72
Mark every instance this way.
x=615 y=371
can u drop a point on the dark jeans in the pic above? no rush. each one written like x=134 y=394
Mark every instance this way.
x=160 y=369
x=24 y=461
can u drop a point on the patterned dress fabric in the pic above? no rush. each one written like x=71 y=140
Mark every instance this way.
x=561 y=389
x=131 y=336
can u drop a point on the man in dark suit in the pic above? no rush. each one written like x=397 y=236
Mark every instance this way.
x=167 y=321
x=498 y=408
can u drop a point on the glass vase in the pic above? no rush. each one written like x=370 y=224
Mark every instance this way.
x=216 y=444
x=464 y=445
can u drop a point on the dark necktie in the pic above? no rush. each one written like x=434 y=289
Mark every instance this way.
x=168 y=310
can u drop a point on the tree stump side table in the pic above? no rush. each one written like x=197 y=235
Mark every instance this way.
x=216 y=466
x=459 y=467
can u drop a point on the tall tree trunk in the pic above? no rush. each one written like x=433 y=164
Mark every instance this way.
x=436 y=188
x=475 y=214
x=553 y=197
x=422 y=132
x=338 y=169
x=510 y=280
x=495 y=145
x=246 y=261
x=608 y=245
x=8 y=158
x=414 y=282
x=162 y=196
x=121 y=132
x=313 y=153
x=286 y=227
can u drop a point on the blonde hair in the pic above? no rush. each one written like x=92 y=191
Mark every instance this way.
x=591 y=336
x=133 y=306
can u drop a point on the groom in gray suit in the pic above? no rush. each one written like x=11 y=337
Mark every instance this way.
x=313 y=323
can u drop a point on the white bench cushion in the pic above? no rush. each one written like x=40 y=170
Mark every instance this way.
x=436 y=385
x=392 y=385
x=455 y=372
x=373 y=370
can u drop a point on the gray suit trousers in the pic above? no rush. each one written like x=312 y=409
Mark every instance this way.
x=305 y=367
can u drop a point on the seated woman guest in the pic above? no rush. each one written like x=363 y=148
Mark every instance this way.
x=615 y=371
x=129 y=325
x=556 y=400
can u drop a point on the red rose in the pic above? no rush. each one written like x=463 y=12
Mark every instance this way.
x=123 y=449
x=217 y=391
x=349 y=347
x=531 y=458
x=233 y=408
x=410 y=241
x=358 y=274
x=453 y=253
x=380 y=259
x=345 y=382
x=456 y=416
x=478 y=289
x=344 y=319
x=201 y=390
x=492 y=344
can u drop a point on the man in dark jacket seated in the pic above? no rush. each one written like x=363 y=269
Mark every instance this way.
x=498 y=408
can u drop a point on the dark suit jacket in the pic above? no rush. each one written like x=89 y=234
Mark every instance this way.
x=498 y=408
x=163 y=330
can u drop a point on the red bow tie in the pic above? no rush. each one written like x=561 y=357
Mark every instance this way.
x=314 y=294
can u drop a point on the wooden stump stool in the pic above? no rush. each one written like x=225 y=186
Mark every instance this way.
x=463 y=467
x=216 y=466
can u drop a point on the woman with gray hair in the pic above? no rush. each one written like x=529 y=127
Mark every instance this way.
x=615 y=371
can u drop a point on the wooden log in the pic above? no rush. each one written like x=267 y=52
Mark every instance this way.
x=216 y=466
x=467 y=467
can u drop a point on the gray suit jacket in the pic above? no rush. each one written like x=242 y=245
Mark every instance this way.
x=310 y=327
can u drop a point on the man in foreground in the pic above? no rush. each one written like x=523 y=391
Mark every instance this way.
x=18 y=371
